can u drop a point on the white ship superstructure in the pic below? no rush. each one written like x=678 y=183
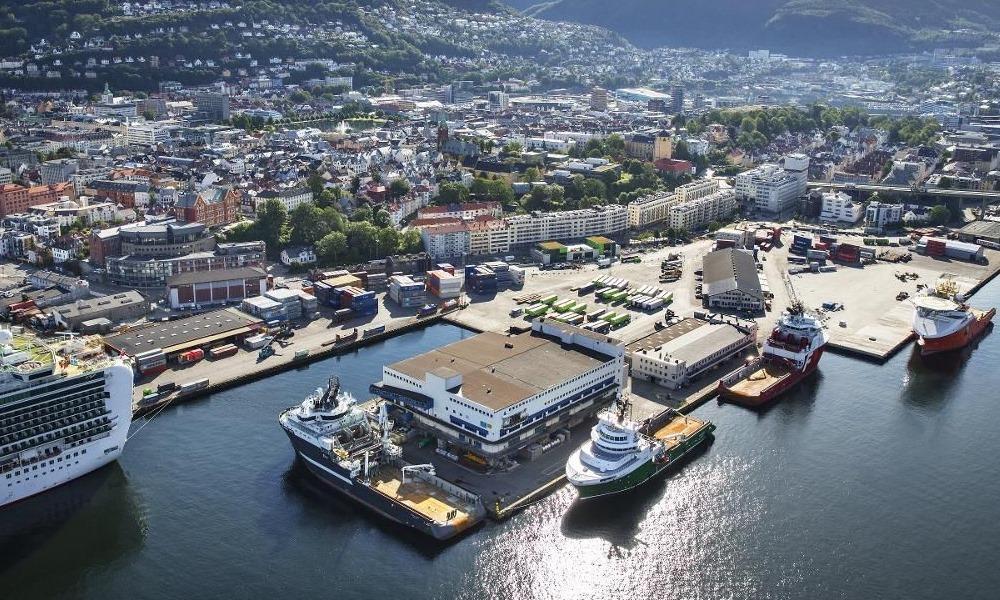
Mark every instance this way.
x=65 y=410
x=798 y=336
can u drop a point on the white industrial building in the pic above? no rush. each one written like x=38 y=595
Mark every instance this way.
x=772 y=188
x=731 y=281
x=841 y=208
x=673 y=356
x=495 y=394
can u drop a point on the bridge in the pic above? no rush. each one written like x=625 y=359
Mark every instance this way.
x=960 y=195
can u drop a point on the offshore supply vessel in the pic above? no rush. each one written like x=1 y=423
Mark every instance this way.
x=349 y=449
x=65 y=410
x=622 y=454
x=943 y=322
x=791 y=352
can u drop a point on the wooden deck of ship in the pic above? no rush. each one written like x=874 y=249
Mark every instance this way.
x=760 y=380
x=426 y=499
x=680 y=424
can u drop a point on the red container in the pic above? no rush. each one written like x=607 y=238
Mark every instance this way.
x=191 y=356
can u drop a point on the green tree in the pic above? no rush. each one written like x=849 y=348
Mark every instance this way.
x=452 y=193
x=388 y=241
x=410 y=242
x=331 y=248
x=382 y=218
x=399 y=188
x=939 y=215
x=307 y=224
x=334 y=219
x=363 y=213
x=315 y=183
x=532 y=174
x=271 y=220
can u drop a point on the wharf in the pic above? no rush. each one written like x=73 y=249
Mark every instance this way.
x=244 y=366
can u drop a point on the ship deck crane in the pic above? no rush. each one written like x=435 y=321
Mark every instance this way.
x=426 y=468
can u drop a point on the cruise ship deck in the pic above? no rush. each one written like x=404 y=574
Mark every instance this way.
x=428 y=500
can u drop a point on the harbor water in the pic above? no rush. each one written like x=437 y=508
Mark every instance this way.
x=868 y=481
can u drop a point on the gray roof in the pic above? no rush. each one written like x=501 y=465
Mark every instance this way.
x=216 y=275
x=83 y=309
x=729 y=269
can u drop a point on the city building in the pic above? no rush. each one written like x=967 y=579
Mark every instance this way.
x=127 y=192
x=840 y=207
x=57 y=171
x=212 y=106
x=198 y=289
x=139 y=271
x=464 y=211
x=290 y=197
x=83 y=209
x=127 y=306
x=493 y=395
x=731 y=281
x=143 y=133
x=498 y=101
x=212 y=206
x=15 y=198
x=676 y=354
x=6 y=176
x=880 y=214
x=650 y=209
x=677 y=99
x=693 y=214
x=772 y=188
x=298 y=255
x=599 y=99
x=566 y=225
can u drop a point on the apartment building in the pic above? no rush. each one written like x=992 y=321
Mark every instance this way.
x=565 y=225
x=651 y=209
x=839 y=207
x=880 y=214
x=145 y=134
x=774 y=188
x=697 y=213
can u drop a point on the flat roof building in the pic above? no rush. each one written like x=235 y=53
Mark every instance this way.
x=494 y=394
x=676 y=354
x=195 y=331
x=120 y=307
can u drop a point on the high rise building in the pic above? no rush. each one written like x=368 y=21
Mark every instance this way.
x=677 y=99
x=212 y=106
x=599 y=99
x=499 y=101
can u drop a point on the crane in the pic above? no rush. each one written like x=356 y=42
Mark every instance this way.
x=425 y=468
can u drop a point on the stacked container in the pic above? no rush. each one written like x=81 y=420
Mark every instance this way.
x=406 y=292
x=443 y=284
x=801 y=243
x=289 y=299
x=361 y=302
x=480 y=278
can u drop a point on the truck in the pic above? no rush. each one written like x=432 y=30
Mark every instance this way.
x=300 y=354
x=603 y=263
x=190 y=387
x=426 y=310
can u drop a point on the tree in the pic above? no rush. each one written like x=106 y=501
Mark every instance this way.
x=938 y=215
x=532 y=174
x=410 y=242
x=315 y=183
x=271 y=219
x=362 y=239
x=452 y=193
x=363 y=213
x=334 y=218
x=388 y=241
x=944 y=183
x=399 y=188
x=328 y=197
x=382 y=218
x=308 y=225
x=331 y=248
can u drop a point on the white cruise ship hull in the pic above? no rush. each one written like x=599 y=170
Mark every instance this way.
x=74 y=461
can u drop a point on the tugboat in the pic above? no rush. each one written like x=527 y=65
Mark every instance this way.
x=944 y=322
x=349 y=449
x=622 y=454
x=791 y=353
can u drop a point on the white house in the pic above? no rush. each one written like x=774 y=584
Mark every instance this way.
x=839 y=207
x=298 y=255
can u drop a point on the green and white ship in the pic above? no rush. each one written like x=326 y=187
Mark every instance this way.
x=622 y=454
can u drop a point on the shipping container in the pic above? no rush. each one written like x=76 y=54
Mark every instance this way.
x=595 y=314
x=190 y=387
x=223 y=351
x=300 y=354
x=191 y=356
x=256 y=341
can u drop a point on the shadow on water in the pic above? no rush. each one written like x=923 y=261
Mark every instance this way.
x=931 y=379
x=326 y=506
x=35 y=558
x=616 y=518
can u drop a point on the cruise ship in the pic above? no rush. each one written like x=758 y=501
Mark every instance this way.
x=942 y=323
x=622 y=454
x=790 y=354
x=350 y=449
x=65 y=410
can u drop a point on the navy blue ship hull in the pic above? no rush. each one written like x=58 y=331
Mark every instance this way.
x=320 y=465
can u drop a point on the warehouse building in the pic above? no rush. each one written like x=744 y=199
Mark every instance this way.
x=493 y=395
x=675 y=355
x=225 y=325
x=731 y=281
x=126 y=306
x=198 y=289
x=980 y=232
